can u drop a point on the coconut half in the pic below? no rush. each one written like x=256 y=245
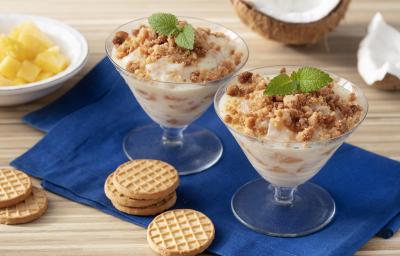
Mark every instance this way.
x=295 y=22
x=295 y=11
x=379 y=55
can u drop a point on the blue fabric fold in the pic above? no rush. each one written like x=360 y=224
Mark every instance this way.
x=84 y=144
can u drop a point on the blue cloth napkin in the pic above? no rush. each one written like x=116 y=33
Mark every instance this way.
x=84 y=144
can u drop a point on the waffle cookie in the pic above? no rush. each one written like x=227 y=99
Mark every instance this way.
x=115 y=196
x=34 y=206
x=142 y=187
x=146 y=179
x=15 y=186
x=161 y=206
x=182 y=232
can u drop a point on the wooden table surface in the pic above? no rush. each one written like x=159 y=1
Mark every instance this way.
x=69 y=228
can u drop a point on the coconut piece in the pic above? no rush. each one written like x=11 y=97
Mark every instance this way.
x=388 y=83
x=379 y=55
x=295 y=11
x=294 y=33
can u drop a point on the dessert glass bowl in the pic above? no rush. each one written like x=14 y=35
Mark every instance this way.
x=283 y=203
x=173 y=106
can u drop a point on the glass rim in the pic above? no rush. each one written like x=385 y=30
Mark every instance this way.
x=359 y=91
x=125 y=71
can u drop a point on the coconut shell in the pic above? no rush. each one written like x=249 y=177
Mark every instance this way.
x=388 y=83
x=289 y=33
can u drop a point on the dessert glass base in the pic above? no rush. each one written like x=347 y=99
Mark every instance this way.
x=191 y=149
x=283 y=212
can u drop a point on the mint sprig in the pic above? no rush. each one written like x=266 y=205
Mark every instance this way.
x=185 y=38
x=304 y=80
x=168 y=25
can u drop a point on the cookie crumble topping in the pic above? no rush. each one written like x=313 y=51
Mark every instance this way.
x=318 y=115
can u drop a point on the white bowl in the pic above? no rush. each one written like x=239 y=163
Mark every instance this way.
x=72 y=44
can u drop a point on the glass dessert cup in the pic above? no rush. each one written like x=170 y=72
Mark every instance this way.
x=283 y=203
x=173 y=107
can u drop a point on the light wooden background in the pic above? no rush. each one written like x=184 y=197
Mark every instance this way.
x=72 y=229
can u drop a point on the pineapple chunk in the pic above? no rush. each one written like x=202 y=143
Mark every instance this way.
x=18 y=80
x=9 y=67
x=32 y=43
x=29 y=32
x=5 y=82
x=9 y=46
x=44 y=75
x=55 y=48
x=51 y=61
x=27 y=26
x=28 y=71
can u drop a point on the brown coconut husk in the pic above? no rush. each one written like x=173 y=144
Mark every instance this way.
x=388 y=83
x=289 y=33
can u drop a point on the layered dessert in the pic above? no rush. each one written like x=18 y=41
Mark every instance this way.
x=288 y=138
x=174 y=84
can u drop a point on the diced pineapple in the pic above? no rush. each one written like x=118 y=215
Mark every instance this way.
x=28 y=71
x=19 y=81
x=28 y=32
x=44 y=75
x=32 y=43
x=9 y=67
x=51 y=61
x=27 y=54
x=55 y=48
x=9 y=46
x=26 y=26
x=14 y=34
x=3 y=50
x=5 y=82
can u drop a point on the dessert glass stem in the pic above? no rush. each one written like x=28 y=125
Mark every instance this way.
x=172 y=136
x=283 y=195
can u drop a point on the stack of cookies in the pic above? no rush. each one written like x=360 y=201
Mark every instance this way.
x=142 y=187
x=20 y=202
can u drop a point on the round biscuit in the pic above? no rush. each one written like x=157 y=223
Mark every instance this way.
x=15 y=186
x=114 y=195
x=149 y=210
x=26 y=211
x=183 y=232
x=146 y=179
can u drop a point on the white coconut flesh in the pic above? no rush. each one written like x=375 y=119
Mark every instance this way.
x=295 y=11
x=379 y=51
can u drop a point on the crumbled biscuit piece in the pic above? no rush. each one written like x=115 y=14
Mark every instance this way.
x=228 y=119
x=120 y=37
x=245 y=77
x=132 y=66
x=195 y=76
x=232 y=90
x=250 y=122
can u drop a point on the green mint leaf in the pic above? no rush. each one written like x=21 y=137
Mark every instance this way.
x=304 y=80
x=164 y=23
x=311 y=79
x=185 y=38
x=168 y=25
x=281 y=85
